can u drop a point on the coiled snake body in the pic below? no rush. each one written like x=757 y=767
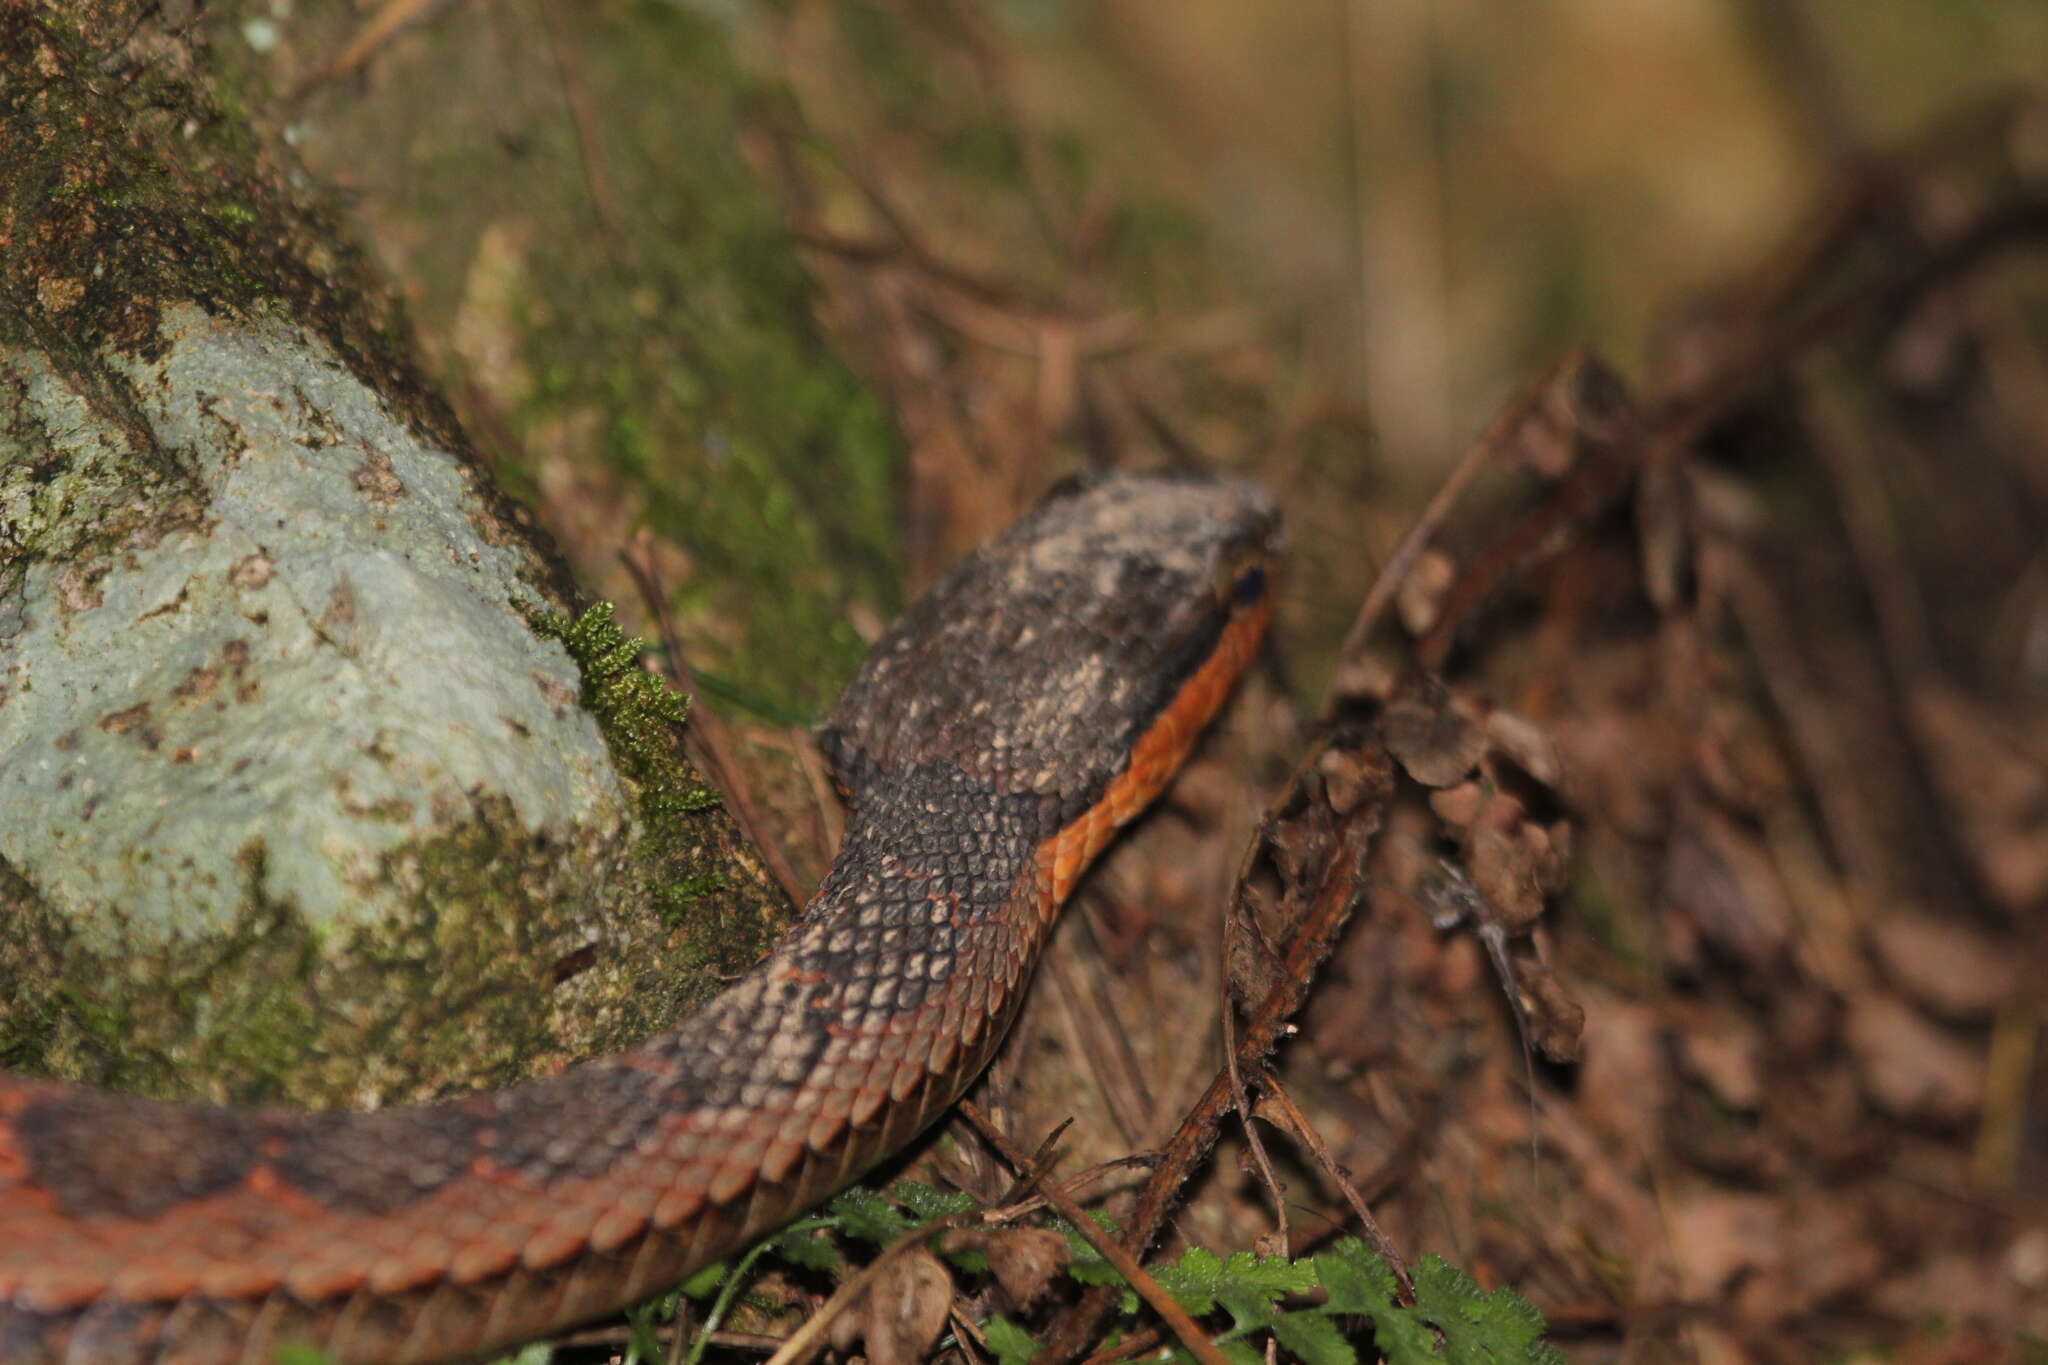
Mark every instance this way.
x=1031 y=703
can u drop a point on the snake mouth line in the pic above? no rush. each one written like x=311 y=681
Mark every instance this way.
x=1158 y=751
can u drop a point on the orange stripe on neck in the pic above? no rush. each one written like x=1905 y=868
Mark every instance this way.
x=1155 y=758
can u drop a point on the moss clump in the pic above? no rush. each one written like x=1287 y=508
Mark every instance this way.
x=639 y=716
x=678 y=900
x=636 y=712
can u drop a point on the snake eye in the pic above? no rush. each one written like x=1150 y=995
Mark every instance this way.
x=1240 y=581
x=1250 y=586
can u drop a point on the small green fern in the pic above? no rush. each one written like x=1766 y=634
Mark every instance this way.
x=1452 y=1322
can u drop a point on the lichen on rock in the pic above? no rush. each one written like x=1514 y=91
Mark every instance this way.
x=299 y=805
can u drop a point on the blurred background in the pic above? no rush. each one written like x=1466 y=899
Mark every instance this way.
x=1445 y=196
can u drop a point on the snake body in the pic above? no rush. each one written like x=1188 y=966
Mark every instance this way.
x=1032 y=702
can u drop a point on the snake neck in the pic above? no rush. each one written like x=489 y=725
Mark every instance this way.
x=919 y=929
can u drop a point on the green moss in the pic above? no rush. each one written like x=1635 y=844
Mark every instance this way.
x=679 y=901
x=694 y=343
x=677 y=871
x=635 y=711
x=238 y=217
x=438 y=998
x=112 y=210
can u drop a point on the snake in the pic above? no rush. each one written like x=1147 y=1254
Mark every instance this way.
x=995 y=738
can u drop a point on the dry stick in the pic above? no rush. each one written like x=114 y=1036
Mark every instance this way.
x=1091 y=1026
x=1304 y=1130
x=678 y=1333
x=616 y=1339
x=1762 y=351
x=1010 y=1212
x=1242 y=1101
x=964 y=1331
x=589 y=143
x=1417 y=539
x=1337 y=890
x=988 y=51
x=1598 y=478
x=1090 y=962
x=1851 y=454
x=709 y=731
x=1136 y=1344
x=391 y=18
x=1798 y=45
x=1171 y=1313
x=808 y=1338
x=1875 y=190
x=824 y=803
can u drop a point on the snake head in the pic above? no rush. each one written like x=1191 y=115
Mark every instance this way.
x=1039 y=662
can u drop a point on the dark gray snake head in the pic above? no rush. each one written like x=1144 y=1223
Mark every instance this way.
x=1036 y=663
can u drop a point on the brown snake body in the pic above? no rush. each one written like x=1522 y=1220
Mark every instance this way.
x=1035 y=700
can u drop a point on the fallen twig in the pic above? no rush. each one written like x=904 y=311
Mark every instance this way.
x=1170 y=1312
x=1303 y=1129
x=1241 y=1100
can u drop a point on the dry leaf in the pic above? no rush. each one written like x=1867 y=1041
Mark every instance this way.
x=1426 y=732
x=1664 y=532
x=1580 y=403
x=1527 y=745
x=1421 y=592
x=1351 y=777
x=1557 y=1023
x=903 y=1311
x=1909 y=1067
x=1459 y=805
x=1997 y=787
x=1024 y=1259
x=1718 y=1237
x=1625 y=1083
x=1723 y=1054
x=1944 y=965
x=1503 y=865
x=1728 y=886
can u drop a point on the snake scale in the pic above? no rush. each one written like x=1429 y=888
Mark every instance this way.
x=1029 y=704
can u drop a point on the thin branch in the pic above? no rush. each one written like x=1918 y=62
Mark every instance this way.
x=583 y=118
x=1490 y=446
x=392 y=18
x=807 y=1339
x=1305 y=1130
x=1759 y=347
x=1242 y=1103
x=1170 y=1312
